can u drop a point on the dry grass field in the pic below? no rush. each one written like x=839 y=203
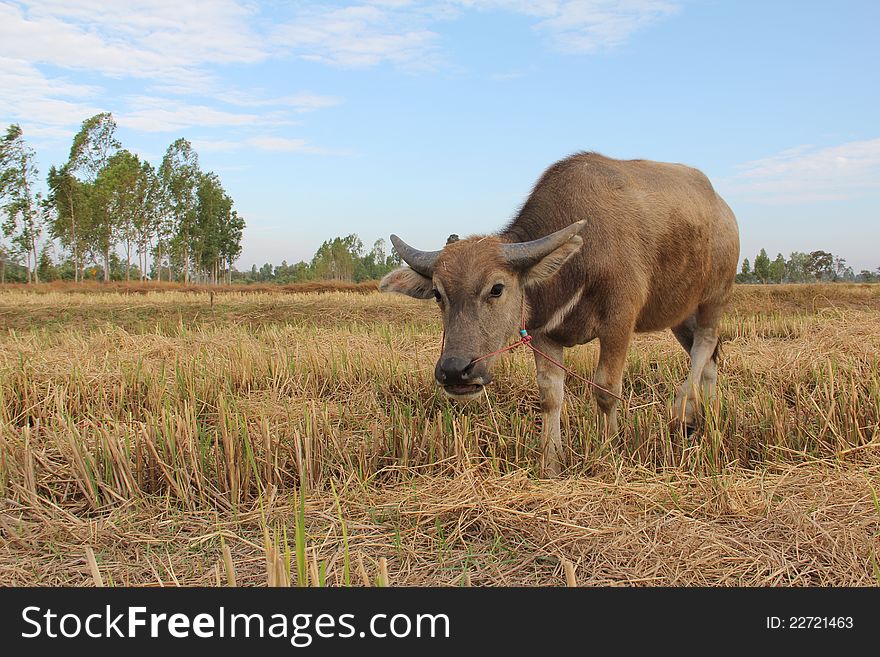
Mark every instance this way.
x=166 y=436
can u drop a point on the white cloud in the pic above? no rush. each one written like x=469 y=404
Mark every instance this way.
x=164 y=115
x=43 y=107
x=359 y=36
x=285 y=145
x=156 y=39
x=263 y=143
x=374 y=32
x=299 y=103
x=174 y=45
x=583 y=26
x=215 y=145
x=807 y=173
x=179 y=46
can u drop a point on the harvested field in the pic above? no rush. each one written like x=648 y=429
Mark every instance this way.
x=269 y=436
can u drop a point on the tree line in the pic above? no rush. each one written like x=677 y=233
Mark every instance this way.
x=346 y=259
x=337 y=259
x=114 y=215
x=813 y=267
x=340 y=259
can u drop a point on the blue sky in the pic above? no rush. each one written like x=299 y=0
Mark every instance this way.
x=430 y=117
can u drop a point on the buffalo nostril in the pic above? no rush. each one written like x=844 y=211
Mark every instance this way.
x=452 y=370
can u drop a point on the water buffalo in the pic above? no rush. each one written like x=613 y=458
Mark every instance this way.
x=600 y=249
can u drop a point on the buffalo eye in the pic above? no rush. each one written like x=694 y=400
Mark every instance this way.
x=437 y=296
x=496 y=290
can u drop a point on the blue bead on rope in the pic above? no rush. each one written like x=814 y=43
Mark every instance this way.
x=523 y=332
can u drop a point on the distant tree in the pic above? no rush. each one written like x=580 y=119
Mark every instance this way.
x=163 y=228
x=282 y=272
x=762 y=267
x=867 y=276
x=118 y=268
x=125 y=172
x=777 y=269
x=745 y=273
x=116 y=208
x=231 y=232
x=213 y=211
x=90 y=152
x=47 y=269
x=147 y=223
x=180 y=176
x=11 y=270
x=339 y=259
x=452 y=238
x=841 y=271
x=797 y=268
x=4 y=258
x=93 y=145
x=66 y=270
x=69 y=199
x=379 y=251
x=374 y=265
x=21 y=204
x=821 y=265
x=302 y=272
x=99 y=236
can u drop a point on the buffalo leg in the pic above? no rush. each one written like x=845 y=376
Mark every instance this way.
x=701 y=331
x=550 y=386
x=609 y=375
x=684 y=333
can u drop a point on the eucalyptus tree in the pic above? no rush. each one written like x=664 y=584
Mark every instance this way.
x=90 y=153
x=797 y=268
x=94 y=145
x=149 y=192
x=777 y=269
x=122 y=173
x=762 y=266
x=180 y=177
x=163 y=228
x=821 y=265
x=21 y=204
x=69 y=199
x=5 y=256
x=339 y=259
x=231 y=232
x=213 y=212
x=98 y=235
x=114 y=205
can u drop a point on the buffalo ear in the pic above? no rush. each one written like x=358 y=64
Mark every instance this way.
x=408 y=281
x=553 y=261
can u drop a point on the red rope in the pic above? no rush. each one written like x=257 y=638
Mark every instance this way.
x=526 y=339
x=572 y=372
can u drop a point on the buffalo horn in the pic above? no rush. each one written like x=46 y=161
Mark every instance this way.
x=420 y=261
x=522 y=255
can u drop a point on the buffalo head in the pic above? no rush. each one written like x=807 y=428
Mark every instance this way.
x=479 y=284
